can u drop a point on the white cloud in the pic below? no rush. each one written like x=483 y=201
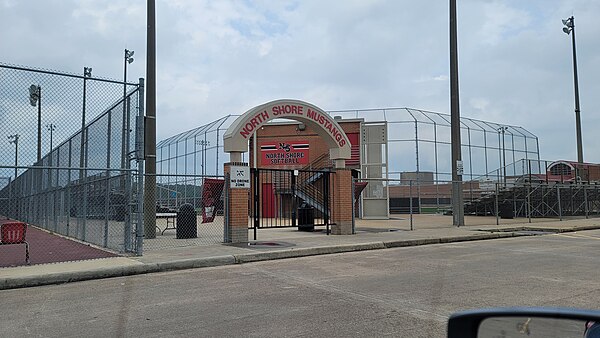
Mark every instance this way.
x=221 y=57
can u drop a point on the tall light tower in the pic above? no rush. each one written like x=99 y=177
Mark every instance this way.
x=35 y=98
x=125 y=129
x=204 y=144
x=87 y=73
x=15 y=140
x=568 y=29
x=51 y=128
x=502 y=130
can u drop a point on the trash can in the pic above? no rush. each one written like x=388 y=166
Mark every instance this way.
x=306 y=218
x=506 y=210
x=186 y=222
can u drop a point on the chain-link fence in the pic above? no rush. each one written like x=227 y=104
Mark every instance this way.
x=531 y=192
x=69 y=165
x=189 y=211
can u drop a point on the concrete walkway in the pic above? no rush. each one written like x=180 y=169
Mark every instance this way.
x=280 y=244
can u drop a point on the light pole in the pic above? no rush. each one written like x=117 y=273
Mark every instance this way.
x=15 y=139
x=502 y=130
x=51 y=128
x=568 y=29
x=124 y=130
x=87 y=73
x=35 y=98
x=204 y=144
x=458 y=208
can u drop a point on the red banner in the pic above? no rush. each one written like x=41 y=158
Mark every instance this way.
x=284 y=153
x=211 y=197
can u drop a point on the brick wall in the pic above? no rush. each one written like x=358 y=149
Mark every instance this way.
x=237 y=232
x=341 y=186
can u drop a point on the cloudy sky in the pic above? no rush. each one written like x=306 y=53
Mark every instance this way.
x=225 y=57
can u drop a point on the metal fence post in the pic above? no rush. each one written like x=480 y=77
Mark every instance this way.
x=529 y=201
x=559 y=202
x=226 y=238
x=106 y=208
x=353 y=206
x=139 y=233
x=410 y=203
x=585 y=201
x=256 y=198
x=496 y=203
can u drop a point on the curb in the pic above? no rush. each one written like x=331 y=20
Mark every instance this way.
x=194 y=263
x=543 y=229
x=119 y=271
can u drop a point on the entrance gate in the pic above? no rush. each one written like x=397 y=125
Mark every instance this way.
x=284 y=198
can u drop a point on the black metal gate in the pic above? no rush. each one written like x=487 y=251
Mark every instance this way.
x=288 y=198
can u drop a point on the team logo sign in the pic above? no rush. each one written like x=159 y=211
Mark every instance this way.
x=284 y=153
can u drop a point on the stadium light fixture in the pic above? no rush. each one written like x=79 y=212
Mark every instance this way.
x=35 y=98
x=125 y=120
x=568 y=29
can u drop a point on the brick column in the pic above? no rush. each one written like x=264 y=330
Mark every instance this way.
x=237 y=232
x=341 y=186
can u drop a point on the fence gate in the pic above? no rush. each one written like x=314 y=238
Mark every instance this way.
x=288 y=198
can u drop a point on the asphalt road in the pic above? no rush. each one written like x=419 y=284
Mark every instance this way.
x=403 y=292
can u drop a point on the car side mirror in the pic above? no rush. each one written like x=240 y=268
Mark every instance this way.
x=525 y=322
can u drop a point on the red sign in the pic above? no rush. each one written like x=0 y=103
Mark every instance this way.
x=284 y=153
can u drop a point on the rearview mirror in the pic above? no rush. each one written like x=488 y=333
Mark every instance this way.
x=525 y=322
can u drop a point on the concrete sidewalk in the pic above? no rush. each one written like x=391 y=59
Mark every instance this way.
x=273 y=244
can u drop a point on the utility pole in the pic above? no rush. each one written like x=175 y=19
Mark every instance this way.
x=150 y=122
x=458 y=211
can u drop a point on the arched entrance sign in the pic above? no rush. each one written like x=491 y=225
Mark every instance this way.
x=237 y=135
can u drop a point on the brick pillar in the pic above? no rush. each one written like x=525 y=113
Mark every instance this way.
x=237 y=232
x=341 y=186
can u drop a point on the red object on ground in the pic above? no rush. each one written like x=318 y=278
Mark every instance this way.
x=46 y=247
x=12 y=232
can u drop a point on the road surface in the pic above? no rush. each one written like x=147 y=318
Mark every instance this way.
x=402 y=292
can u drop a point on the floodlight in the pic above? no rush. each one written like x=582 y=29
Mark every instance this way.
x=566 y=30
x=129 y=60
x=33 y=95
x=565 y=21
x=131 y=53
x=87 y=71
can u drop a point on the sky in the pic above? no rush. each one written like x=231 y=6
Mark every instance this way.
x=224 y=57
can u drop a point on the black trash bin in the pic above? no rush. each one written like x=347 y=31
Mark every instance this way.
x=506 y=210
x=306 y=218
x=186 y=222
